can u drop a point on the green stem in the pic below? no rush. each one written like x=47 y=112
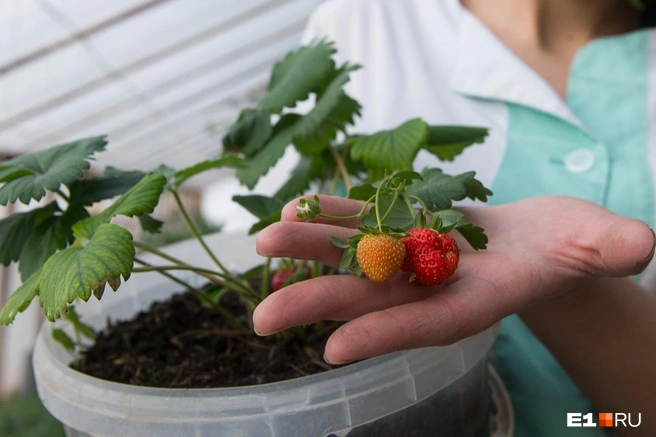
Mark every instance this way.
x=152 y=268
x=338 y=127
x=231 y=283
x=377 y=197
x=333 y=184
x=425 y=209
x=196 y=233
x=339 y=162
x=409 y=205
x=155 y=251
x=342 y=168
x=348 y=217
x=199 y=294
x=316 y=266
x=264 y=288
x=389 y=210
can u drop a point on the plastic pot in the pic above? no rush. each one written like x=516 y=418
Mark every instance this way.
x=438 y=391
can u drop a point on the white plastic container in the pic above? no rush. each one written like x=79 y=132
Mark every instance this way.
x=437 y=392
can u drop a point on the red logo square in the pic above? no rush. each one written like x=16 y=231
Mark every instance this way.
x=606 y=419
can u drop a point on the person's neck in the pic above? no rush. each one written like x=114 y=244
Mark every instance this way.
x=546 y=34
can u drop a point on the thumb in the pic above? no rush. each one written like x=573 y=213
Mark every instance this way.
x=624 y=246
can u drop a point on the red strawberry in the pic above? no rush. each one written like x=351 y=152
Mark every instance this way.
x=431 y=256
x=380 y=256
x=281 y=276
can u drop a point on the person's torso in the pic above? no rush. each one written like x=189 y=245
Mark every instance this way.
x=435 y=60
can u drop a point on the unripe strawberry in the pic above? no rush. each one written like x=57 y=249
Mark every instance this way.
x=380 y=256
x=431 y=256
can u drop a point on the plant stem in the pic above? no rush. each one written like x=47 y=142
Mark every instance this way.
x=316 y=266
x=196 y=233
x=152 y=268
x=377 y=197
x=342 y=168
x=333 y=184
x=409 y=205
x=168 y=275
x=199 y=294
x=348 y=217
x=231 y=283
x=389 y=210
x=425 y=210
x=265 y=279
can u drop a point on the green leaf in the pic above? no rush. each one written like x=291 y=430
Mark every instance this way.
x=167 y=172
x=391 y=149
x=16 y=229
x=260 y=206
x=474 y=235
x=86 y=192
x=404 y=176
x=150 y=224
x=294 y=126
x=307 y=170
x=449 y=219
x=77 y=272
x=259 y=165
x=62 y=338
x=249 y=133
x=311 y=145
x=231 y=161
x=73 y=317
x=447 y=142
x=28 y=177
x=476 y=191
x=362 y=192
x=326 y=103
x=140 y=199
x=439 y=190
x=264 y=222
x=338 y=242
x=393 y=213
x=297 y=75
x=345 y=111
x=349 y=260
x=32 y=237
x=20 y=299
x=254 y=272
x=267 y=209
x=50 y=235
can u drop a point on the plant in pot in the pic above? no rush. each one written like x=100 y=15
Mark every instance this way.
x=197 y=343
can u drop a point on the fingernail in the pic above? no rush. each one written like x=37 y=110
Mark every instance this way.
x=266 y=334
x=647 y=260
x=335 y=363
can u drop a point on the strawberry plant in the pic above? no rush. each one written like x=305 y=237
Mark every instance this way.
x=64 y=254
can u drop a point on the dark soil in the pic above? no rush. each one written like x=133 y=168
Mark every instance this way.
x=180 y=343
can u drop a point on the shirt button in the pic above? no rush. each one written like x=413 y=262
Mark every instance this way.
x=580 y=160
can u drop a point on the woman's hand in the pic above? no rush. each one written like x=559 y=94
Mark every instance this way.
x=538 y=249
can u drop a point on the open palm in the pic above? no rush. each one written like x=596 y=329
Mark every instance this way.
x=538 y=249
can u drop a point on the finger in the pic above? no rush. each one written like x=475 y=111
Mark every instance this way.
x=465 y=308
x=337 y=297
x=306 y=241
x=330 y=205
x=618 y=247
